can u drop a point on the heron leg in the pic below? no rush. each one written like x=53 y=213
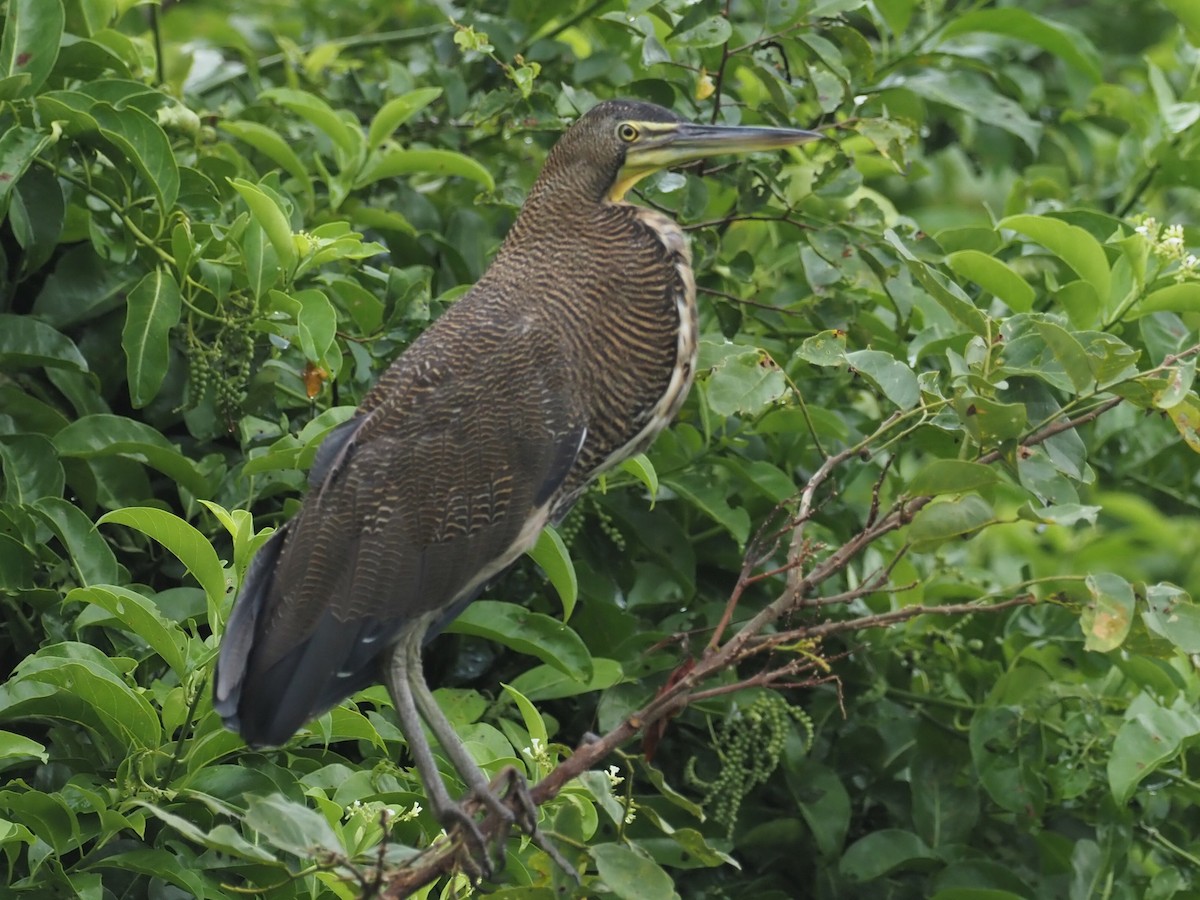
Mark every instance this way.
x=450 y=814
x=506 y=797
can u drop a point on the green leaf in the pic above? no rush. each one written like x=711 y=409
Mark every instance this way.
x=142 y=142
x=316 y=322
x=268 y=142
x=1180 y=378
x=76 y=683
x=347 y=140
x=533 y=634
x=552 y=556
x=550 y=683
x=189 y=545
x=993 y=276
x=640 y=467
x=1106 y=620
x=741 y=380
x=16 y=749
x=102 y=435
x=154 y=307
x=712 y=32
x=90 y=554
x=945 y=520
x=1068 y=44
x=882 y=852
x=1177 y=298
x=529 y=715
x=30 y=468
x=990 y=420
x=29 y=47
x=713 y=500
x=273 y=219
x=951 y=476
x=396 y=112
x=292 y=827
x=1069 y=353
x=26 y=343
x=975 y=95
x=1171 y=614
x=630 y=873
x=1186 y=418
x=1071 y=244
x=825 y=348
x=1150 y=736
x=19 y=146
x=395 y=162
x=888 y=374
x=139 y=616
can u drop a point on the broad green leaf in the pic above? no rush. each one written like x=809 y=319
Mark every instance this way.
x=347 y=140
x=37 y=214
x=742 y=381
x=947 y=294
x=895 y=379
x=76 y=683
x=977 y=96
x=529 y=715
x=396 y=112
x=552 y=556
x=1151 y=736
x=946 y=520
x=140 y=617
x=27 y=343
x=990 y=420
x=1106 y=620
x=630 y=873
x=550 y=683
x=822 y=800
x=158 y=864
x=396 y=162
x=154 y=307
x=189 y=545
x=317 y=324
x=30 y=468
x=292 y=827
x=993 y=276
x=18 y=148
x=713 y=500
x=143 y=143
x=882 y=852
x=1178 y=298
x=16 y=749
x=640 y=467
x=273 y=219
x=1071 y=244
x=712 y=32
x=1186 y=418
x=90 y=554
x=1170 y=613
x=533 y=634
x=102 y=435
x=268 y=142
x=1068 y=44
x=29 y=46
x=951 y=476
x=1180 y=378
x=826 y=348
x=223 y=838
x=1069 y=353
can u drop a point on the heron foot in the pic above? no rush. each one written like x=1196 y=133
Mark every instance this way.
x=511 y=790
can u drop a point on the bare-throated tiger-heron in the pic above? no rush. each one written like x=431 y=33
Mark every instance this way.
x=573 y=351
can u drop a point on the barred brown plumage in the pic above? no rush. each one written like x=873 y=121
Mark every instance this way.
x=573 y=352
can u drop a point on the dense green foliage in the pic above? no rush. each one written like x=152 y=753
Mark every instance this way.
x=968 y=321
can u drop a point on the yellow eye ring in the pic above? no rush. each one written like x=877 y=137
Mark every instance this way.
x=626 y=132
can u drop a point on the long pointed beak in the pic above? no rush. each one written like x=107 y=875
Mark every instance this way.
x=665 y=144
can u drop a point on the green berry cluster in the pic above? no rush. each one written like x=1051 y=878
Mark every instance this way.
x=749 y=745
x=589 y=506
x=221 y=365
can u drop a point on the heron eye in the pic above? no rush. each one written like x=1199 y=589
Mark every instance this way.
x=627 y=132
